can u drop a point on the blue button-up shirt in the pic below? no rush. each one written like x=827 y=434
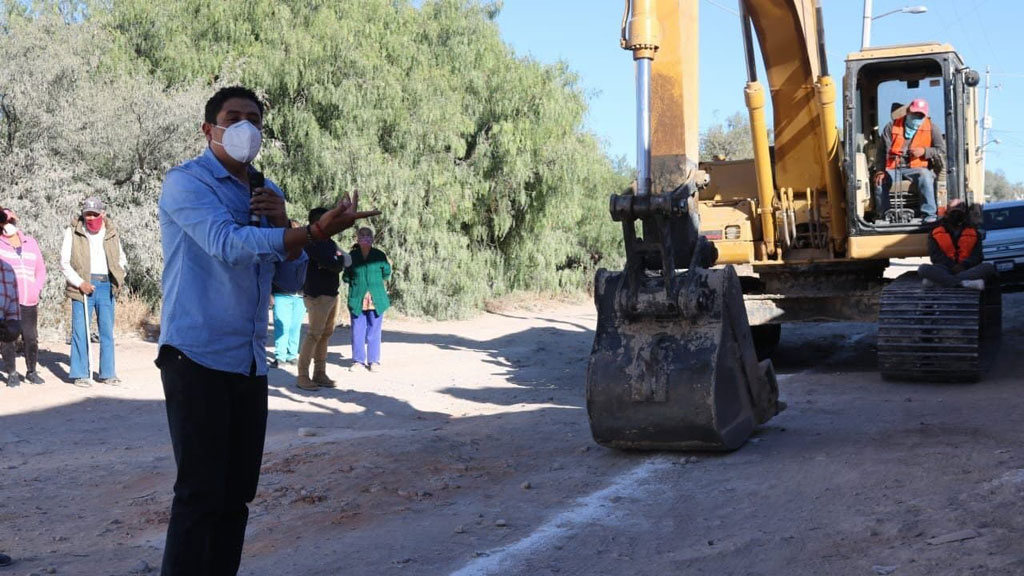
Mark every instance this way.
x=217 y=269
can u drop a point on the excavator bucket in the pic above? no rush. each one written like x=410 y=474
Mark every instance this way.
x=676 y=373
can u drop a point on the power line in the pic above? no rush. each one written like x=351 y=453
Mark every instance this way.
x=960 y=22
x=975 y=12
x=723 y=7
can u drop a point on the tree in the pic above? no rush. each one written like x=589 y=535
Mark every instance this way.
x=80 y=120
x=997 y=187
x=729 y=140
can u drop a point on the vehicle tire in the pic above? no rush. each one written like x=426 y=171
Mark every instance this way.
x=766 y=339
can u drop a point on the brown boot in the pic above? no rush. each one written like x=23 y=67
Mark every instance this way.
x=321 y=380
x=305 y=383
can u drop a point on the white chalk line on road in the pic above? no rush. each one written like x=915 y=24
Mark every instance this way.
x=585 y=512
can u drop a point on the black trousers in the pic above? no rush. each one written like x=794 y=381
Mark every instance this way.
x=947 y=279
x=30 y=334
x=218 y=421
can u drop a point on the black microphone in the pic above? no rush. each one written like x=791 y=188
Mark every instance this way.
x=256 y=180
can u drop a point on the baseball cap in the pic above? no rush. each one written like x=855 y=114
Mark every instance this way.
x=919 y=105
x=92 y=204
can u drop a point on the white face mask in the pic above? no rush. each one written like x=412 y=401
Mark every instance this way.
x=241 y=141
x=10 y=230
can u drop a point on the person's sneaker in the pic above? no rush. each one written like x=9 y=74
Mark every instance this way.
x=323 y=381
x=13 y=380
x=292 y=361
x=273 y=363
x=355 y=367
x=305 y=383
x=95 y=338
x=34 y=377
x=115 y=381
x=978 y=284
x=930 y=219
x=83 y=382
x=926 y=283
x=375 y=367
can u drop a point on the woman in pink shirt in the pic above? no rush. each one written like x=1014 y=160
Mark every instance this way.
x=21 y=251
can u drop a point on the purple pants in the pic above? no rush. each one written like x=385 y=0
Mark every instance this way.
x=366 y=337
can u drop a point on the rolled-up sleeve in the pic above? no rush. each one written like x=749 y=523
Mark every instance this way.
x=198 y=212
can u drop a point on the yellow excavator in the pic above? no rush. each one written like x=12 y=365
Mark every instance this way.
x=719 y=255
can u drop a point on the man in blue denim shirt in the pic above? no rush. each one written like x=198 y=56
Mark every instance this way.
x=223 y=246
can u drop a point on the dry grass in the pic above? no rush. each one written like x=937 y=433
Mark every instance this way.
x=534 y=301
x=135 y=317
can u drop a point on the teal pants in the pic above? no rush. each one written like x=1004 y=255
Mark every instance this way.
x=289 y=312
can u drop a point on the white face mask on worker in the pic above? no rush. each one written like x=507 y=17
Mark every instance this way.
x=241 y=140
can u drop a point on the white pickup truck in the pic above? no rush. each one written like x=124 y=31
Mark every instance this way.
x=1004 y=240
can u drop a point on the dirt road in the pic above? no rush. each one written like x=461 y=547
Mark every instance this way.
x=470 y=454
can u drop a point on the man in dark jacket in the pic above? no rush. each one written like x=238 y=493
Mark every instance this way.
x=326 y=261
x=955 y=250
x=909 y=143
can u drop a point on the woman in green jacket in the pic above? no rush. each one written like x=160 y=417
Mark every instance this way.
x=367 y=299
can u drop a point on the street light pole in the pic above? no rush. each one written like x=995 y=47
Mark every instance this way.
x=865 y=35
x=981 y=148
x=865 y=38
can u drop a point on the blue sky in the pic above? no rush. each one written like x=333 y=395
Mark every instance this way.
x=585 y=34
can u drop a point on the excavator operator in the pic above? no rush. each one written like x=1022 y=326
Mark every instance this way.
x=908 y=144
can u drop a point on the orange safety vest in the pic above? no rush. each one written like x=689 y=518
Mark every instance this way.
x=922 y=139
x=964 y=245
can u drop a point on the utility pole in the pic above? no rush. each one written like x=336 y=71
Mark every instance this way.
x=986 y=121
x=865 y=33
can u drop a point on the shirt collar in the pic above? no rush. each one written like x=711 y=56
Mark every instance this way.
x=214 y=166
x=218 y=170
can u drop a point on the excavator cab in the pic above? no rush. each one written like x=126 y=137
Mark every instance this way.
x=879 y=88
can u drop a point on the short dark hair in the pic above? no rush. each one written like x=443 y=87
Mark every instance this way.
x=316 y=213
x=216 y=102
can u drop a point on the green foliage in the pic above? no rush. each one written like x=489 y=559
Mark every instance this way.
x=997 y=187
x=729 y=140
x=478 y=159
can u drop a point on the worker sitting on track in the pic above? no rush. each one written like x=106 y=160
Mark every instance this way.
x=908 y=144
x=955 y=250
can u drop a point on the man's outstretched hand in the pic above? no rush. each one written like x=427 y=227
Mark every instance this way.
x=344 y=215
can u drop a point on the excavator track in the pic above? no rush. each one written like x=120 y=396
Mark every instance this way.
x=936 y=334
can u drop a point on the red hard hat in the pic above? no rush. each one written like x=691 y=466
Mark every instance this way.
x=919 y=105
